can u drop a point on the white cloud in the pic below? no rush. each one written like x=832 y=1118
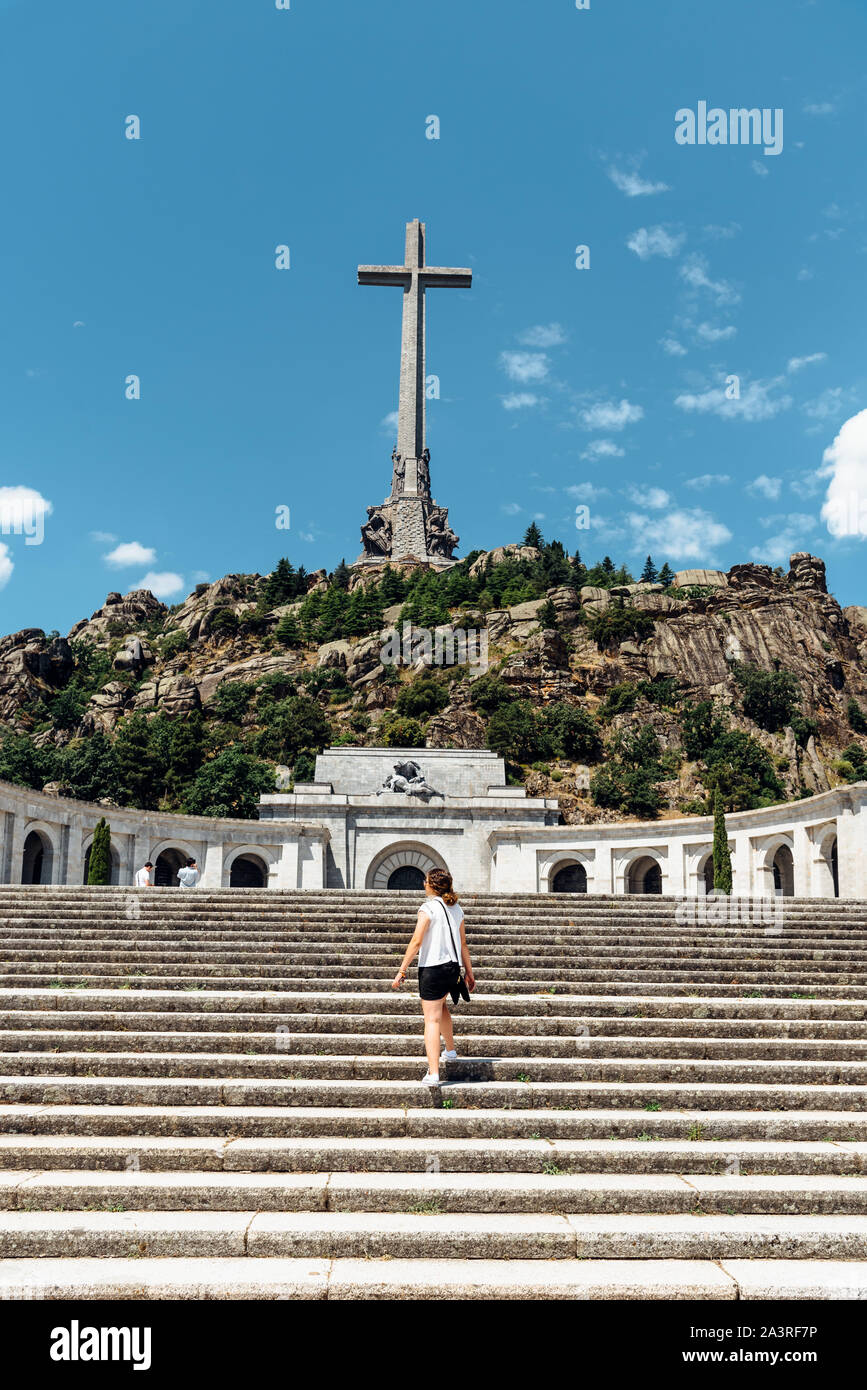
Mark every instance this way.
x=804 y=274
x=6 y=565
x=130 y=553
x=683 y=534
x=759 y=168
x=511 y=508
x=22 y=508
x=844 y=464
x=706 y=480
x=653 y=497
x=201 y=577
x=543 y=335
x=655 y=241
x=830 y=406
x=778 y=549
x=602 y=448
x=609 y=415
x=706 y=333
x=722 y=233
x=819 y=108
x=586 y=492
x=633 y=185
x=161 y=585
x=796 y=364
x=755 y=402
x=103 y=537
x=763 y=486
x=694 y=273
x=519 y=400
x=670 y=345
x=524 y=366
x=389 y=423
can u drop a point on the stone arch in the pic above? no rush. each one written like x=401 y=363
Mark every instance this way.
x=643 y=875
x=827 y=864
x=114 y=876
x=404 y=856
x=783 y=869
x=246 y=863
x=775 y=868
x=167 y=858
x=560 y=869
x=569 y=878
x=39 y=854
x=705 y=875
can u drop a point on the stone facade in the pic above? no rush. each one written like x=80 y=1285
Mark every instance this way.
x=348 y=830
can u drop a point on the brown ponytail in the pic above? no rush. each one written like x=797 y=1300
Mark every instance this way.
x=440 y=881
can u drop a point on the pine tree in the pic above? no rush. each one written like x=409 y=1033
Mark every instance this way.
x=533 y=536
x=99 y=866
x=608 y=565
x=722 y=855
x=287 y=631
x=342 y=575
x=579 y=570
x=666 y=575
x=650 y=574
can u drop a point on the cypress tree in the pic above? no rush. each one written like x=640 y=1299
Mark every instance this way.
x=99 y=868
x=722 y=855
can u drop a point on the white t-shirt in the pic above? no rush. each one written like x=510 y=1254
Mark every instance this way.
x=143 y=878
x=443 y=936
x=188 y=877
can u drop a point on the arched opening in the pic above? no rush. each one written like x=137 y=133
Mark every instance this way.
x=114 y=875
x=408 y=877
x=835 y=869
x=37 y=859
x=784 y=873
x=570 y=878
x=385 y=870
x=166 y=868
x=645 y=876
x=707 y=875
x=248 y=871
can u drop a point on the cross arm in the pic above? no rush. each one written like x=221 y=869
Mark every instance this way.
x=446 y=277
x=384 y=275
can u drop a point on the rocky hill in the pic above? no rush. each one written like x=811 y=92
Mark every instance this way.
x=623 y=699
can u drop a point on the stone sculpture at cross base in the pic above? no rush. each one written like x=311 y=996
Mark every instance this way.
x=410 y=525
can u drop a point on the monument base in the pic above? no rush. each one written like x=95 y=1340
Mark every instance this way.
x=411 y=527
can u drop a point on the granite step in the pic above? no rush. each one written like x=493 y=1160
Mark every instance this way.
x=330 y=1235
x=415 y=1193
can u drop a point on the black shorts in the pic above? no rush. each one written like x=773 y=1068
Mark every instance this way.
x=436 y=981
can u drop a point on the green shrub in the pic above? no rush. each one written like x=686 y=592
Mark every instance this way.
x=770 y=698
x=489 y=693
x=619 y=623
x=398 y=732
x=232 y=700
x=518 y=733
x=856 y=716
x=425 y=695
x=572 y=732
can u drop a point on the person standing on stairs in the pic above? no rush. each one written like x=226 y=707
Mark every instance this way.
x=189 y=875
x=440 y=942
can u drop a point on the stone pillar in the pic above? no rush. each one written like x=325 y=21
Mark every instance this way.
x=6 y=847
x=677 y=877
x=742 y=865
x=603 y=879
x=851 y=850
x=288 y=867
x=17 y=850
x=73 y=865
x=802 y=852
x=212 y=871
x=311 y=861
x=509 y=876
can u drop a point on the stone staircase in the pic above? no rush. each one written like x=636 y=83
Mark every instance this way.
x=216 y=1095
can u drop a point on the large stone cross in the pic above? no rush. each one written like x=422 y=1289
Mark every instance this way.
x=414 y=277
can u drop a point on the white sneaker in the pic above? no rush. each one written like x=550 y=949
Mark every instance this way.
x=430 y=1080
x=446 y=1056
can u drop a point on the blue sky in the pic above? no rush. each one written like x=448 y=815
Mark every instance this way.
x=560 y=387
